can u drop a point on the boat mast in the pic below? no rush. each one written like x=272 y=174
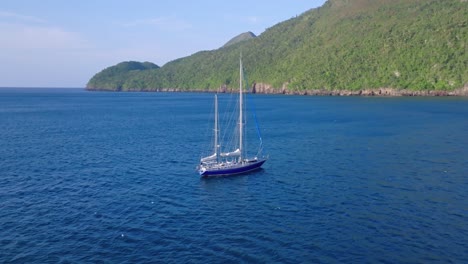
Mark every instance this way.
x=216 y=130
x=240 y=108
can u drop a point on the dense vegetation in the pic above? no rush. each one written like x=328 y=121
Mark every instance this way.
x=114 y=78
x=345 y=44
x=240 y=38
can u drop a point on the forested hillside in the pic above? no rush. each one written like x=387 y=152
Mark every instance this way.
x=351 y=45
x=115 y=77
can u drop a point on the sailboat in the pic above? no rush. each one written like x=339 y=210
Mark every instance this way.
x=235 y=161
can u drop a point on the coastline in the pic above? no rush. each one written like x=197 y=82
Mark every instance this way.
x=391 y=92
x=264 y=89
x=383 y=92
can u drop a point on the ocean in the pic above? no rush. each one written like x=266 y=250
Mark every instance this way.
x=103 y=177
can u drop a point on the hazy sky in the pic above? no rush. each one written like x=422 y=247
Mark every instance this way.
x=56 y=43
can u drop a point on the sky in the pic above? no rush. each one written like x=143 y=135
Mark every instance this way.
x=56 y=43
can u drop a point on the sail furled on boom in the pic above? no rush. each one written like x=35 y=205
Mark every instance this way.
x=234 y=153
x=209 y=158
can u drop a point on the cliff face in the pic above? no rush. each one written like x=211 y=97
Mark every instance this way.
x=350 y=46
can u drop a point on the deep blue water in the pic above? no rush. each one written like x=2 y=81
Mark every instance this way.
x=110 y=177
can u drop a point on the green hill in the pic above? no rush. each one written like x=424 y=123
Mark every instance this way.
x=114 y=77
x=345 y=45
x=240 y=38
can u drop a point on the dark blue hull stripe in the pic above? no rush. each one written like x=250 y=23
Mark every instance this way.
x=233 y=171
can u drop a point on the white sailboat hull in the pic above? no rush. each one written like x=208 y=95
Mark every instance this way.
x=226 y=168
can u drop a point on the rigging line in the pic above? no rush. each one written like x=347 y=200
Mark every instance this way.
x=229 y=138
x=244 y=87
x=208 y=133
x=254 y=111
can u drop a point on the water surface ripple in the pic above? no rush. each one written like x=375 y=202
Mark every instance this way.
x=110 y=177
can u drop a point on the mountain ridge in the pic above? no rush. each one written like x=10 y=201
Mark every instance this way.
x=240 y=38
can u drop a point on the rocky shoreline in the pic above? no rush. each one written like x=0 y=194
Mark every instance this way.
x=267 y=89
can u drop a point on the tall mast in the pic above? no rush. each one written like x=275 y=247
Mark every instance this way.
x=216 y=130
x=240 y=108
